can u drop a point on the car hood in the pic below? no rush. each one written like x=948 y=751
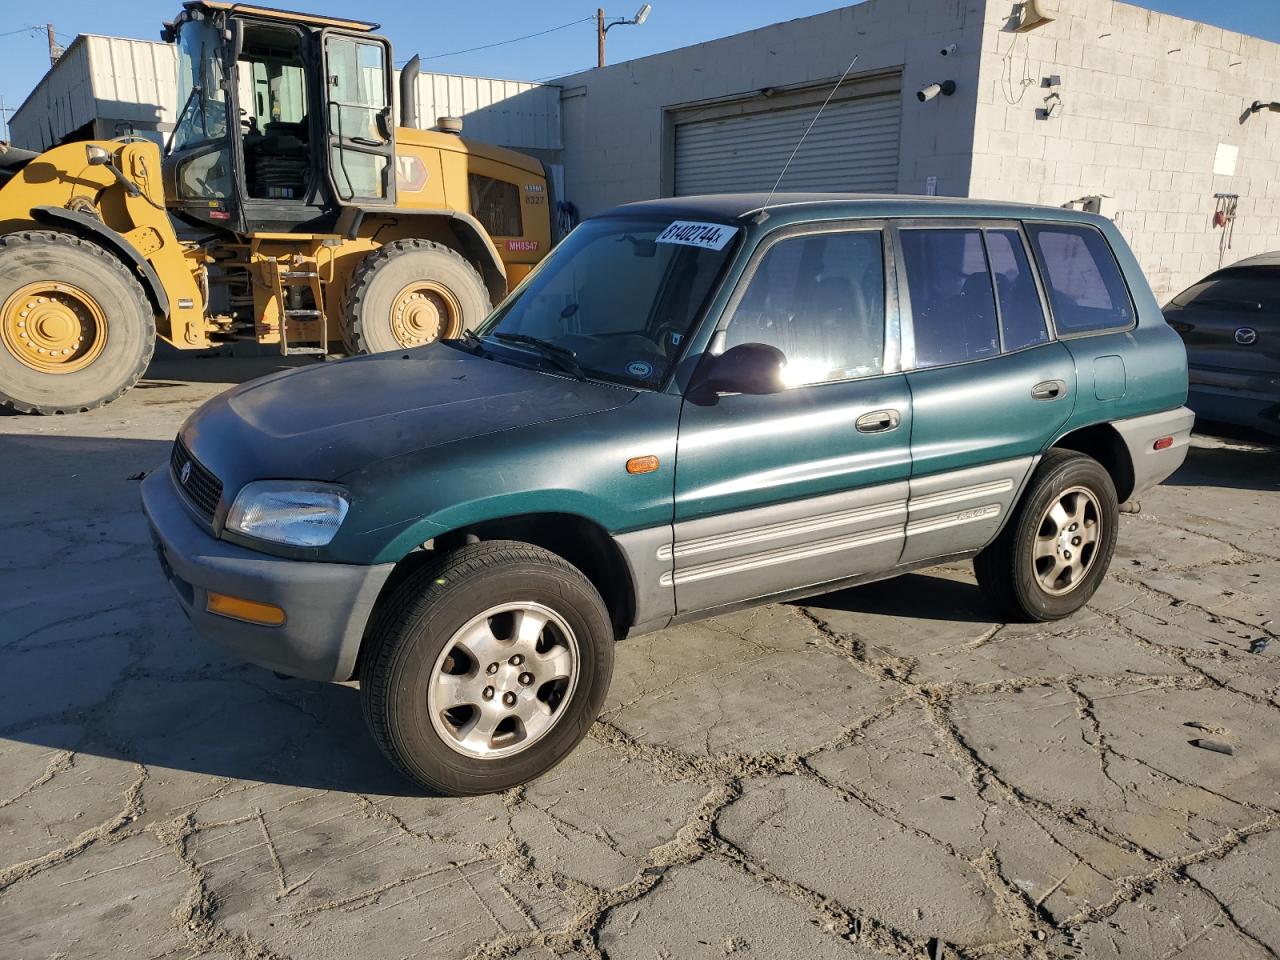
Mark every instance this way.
x=322 y=422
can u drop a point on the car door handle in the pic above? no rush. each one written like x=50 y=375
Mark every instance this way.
x=1049 y=390
x=878 y=421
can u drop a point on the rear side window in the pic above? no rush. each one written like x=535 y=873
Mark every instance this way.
x=1021 y=316
x=1246 y=290
x=953 y=307
x=1086 y=289
x=820 y=300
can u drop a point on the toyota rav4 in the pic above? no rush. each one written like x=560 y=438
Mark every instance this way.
x=692 y=405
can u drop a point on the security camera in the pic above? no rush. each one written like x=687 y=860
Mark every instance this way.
x=948 y=50
x=946 y=88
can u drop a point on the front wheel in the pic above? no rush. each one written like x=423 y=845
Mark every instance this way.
x=486 y=668
x=76 y=329
x=1055 y=549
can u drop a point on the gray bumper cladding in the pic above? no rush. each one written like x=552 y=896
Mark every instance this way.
x=1152 y=466
x=326 y=604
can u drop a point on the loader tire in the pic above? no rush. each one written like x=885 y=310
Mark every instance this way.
x=411 y=293
x=76 y=329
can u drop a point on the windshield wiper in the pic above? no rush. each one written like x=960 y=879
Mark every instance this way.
x=562 y=357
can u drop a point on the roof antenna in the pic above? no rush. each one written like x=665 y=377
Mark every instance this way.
x=763 y=215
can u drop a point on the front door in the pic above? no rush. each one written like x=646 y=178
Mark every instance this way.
x=361 y=131
x=989 y=385
x=806 y=486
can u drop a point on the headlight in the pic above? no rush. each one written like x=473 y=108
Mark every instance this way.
x=292 y=512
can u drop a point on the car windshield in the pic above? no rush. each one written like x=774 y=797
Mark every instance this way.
x=201 y=87
x=616 y=299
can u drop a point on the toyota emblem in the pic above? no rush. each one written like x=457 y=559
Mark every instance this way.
x=185 y=473
x=1246 y=336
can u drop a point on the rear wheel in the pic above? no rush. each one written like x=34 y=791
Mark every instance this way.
x=1055 y=549
x=484 y=669
x=410 y=293
x=76 y=330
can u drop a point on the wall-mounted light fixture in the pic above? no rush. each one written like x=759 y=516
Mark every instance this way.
x=926 y=93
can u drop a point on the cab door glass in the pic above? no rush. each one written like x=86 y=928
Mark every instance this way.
x=360 y=150
x=953 y=308
x=1022 y=321
x=820 y=300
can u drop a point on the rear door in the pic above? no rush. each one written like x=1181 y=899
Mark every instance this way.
x=360 y=128
x=806 y=486
x=990 y=387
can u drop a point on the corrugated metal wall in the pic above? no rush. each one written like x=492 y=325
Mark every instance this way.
x=118 y=83
x=122 y=83
x=510 y=113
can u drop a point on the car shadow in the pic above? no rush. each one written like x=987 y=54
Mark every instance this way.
x=915 y=595
x=99 y=659
x=1236 y=465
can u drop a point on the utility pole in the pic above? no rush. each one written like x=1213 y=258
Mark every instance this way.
x=54 y=52
x=600 y=28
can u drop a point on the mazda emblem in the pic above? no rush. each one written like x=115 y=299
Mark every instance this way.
x=1246 y=336
x=185 y=473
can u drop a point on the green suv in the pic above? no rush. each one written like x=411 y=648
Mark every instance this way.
x=692 y=405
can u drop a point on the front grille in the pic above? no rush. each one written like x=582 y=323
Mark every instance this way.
x=201 y=487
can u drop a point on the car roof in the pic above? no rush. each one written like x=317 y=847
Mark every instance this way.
x=1271 y=259
x=729 y=207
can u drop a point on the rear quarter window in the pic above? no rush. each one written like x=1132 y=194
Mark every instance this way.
x=1087 y=292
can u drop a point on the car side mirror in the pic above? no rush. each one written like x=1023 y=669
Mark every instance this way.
x=754 y=368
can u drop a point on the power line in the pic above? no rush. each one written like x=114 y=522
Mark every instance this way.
x=28 y=29
x=503 y=43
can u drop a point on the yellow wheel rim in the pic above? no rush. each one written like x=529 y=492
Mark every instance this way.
x=425 y=311
x=53 y=327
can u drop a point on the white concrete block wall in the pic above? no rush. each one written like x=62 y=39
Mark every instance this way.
x=614 y=118
x=1146 y=99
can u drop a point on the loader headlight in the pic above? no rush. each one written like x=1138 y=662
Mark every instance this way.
x=289 y=511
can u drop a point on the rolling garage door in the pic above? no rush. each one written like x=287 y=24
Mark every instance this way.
x=852 y=148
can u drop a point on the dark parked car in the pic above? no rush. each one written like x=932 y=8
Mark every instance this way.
x=1230 y=322
x=690 y=406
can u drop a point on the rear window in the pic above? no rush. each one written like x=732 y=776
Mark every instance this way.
x=1246 y=290
x=1086 y=289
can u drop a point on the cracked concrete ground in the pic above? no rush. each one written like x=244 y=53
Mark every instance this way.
x=883 y=772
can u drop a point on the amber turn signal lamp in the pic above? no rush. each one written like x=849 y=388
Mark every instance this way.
x=642 y=465
x=250 y=611
x=1164 y=443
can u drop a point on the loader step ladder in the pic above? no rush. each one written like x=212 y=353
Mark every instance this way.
x=301 y=330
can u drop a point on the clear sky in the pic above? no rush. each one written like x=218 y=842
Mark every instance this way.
x=444 y=27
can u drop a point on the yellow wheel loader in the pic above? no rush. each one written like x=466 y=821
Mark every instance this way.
x=290 y=209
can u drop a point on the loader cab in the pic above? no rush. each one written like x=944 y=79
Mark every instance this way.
x=284 y=119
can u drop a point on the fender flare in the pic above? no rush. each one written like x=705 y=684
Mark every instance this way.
x=473 y=240
x=90 y=228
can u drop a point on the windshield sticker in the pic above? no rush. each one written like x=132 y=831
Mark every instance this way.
x=691 y=233
x=640 y=369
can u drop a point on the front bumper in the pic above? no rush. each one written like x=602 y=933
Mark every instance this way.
x=326 y=604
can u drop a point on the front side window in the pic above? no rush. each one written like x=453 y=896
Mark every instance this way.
x=953 y=307
x=820 y=300
x=615 y=299
x=1086 y=289
x=496 y=204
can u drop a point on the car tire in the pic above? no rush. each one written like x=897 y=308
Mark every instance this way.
x=410 y=293
x=453 y=648
x=76 y=328
x=1056 y=548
